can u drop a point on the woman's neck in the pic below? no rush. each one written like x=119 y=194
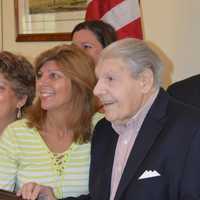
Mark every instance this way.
x=56 y=135
x=57 y=123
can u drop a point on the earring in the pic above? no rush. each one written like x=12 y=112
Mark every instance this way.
x=19 y=113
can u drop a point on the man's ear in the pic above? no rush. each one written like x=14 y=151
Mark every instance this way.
x=146 y=80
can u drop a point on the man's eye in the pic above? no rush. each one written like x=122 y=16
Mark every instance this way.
x=110 y=78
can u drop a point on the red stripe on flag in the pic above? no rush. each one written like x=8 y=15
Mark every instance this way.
x=97 y=8
x=93 y=10
x=132 y=29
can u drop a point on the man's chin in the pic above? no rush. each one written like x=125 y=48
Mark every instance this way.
x=110 y=118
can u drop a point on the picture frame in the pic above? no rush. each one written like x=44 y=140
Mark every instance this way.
x=46 y=21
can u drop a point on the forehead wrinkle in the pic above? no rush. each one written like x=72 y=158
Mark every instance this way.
x=111 y=65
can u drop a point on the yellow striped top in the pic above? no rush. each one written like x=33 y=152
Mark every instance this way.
x=25 y=157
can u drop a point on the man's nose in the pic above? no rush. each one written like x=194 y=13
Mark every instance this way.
x=98 y=89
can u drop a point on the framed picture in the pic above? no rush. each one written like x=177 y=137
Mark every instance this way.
x=47 y=20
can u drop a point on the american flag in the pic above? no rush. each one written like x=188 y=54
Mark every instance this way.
x=123 y=15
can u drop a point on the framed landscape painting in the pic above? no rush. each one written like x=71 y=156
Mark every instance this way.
x=47 y=20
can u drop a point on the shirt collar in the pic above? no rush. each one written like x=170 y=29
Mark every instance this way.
x=137 y=120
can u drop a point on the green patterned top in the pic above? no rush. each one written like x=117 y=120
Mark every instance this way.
x=25 y=157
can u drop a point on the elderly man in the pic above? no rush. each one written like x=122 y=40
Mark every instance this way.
x=148 y=146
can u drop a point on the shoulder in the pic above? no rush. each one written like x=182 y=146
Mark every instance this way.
x=187 y=90
x=185 y=84
x=103 y=125
x=173 y=111
x=103 y=131
x=18 y=123
x=183 y=109
x=182 y=118
x=18 y=128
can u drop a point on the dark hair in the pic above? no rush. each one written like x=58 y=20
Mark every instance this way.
x=103 y=31
x=19 y=71
x=79 y=68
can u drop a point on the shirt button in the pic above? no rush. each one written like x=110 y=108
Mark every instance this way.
x=125 y=142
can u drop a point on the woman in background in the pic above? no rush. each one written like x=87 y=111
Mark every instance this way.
x=52 y=146
x=17 y=87
x=93 y=36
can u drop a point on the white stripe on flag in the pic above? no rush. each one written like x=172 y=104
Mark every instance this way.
x=89 y=1
x=122 y=14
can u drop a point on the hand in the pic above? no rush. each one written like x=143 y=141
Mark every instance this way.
x=32 y=191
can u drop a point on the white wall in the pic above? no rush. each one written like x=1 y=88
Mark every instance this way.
x=173 y=25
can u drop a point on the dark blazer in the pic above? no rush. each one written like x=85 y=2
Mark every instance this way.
x=187 y=90
x=168 y=142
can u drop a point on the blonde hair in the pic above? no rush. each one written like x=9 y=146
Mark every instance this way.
x=79 y=68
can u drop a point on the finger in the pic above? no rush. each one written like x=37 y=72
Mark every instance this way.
x=36 y=192
x=27 y=190
x=19 y=193
x=30 y=190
